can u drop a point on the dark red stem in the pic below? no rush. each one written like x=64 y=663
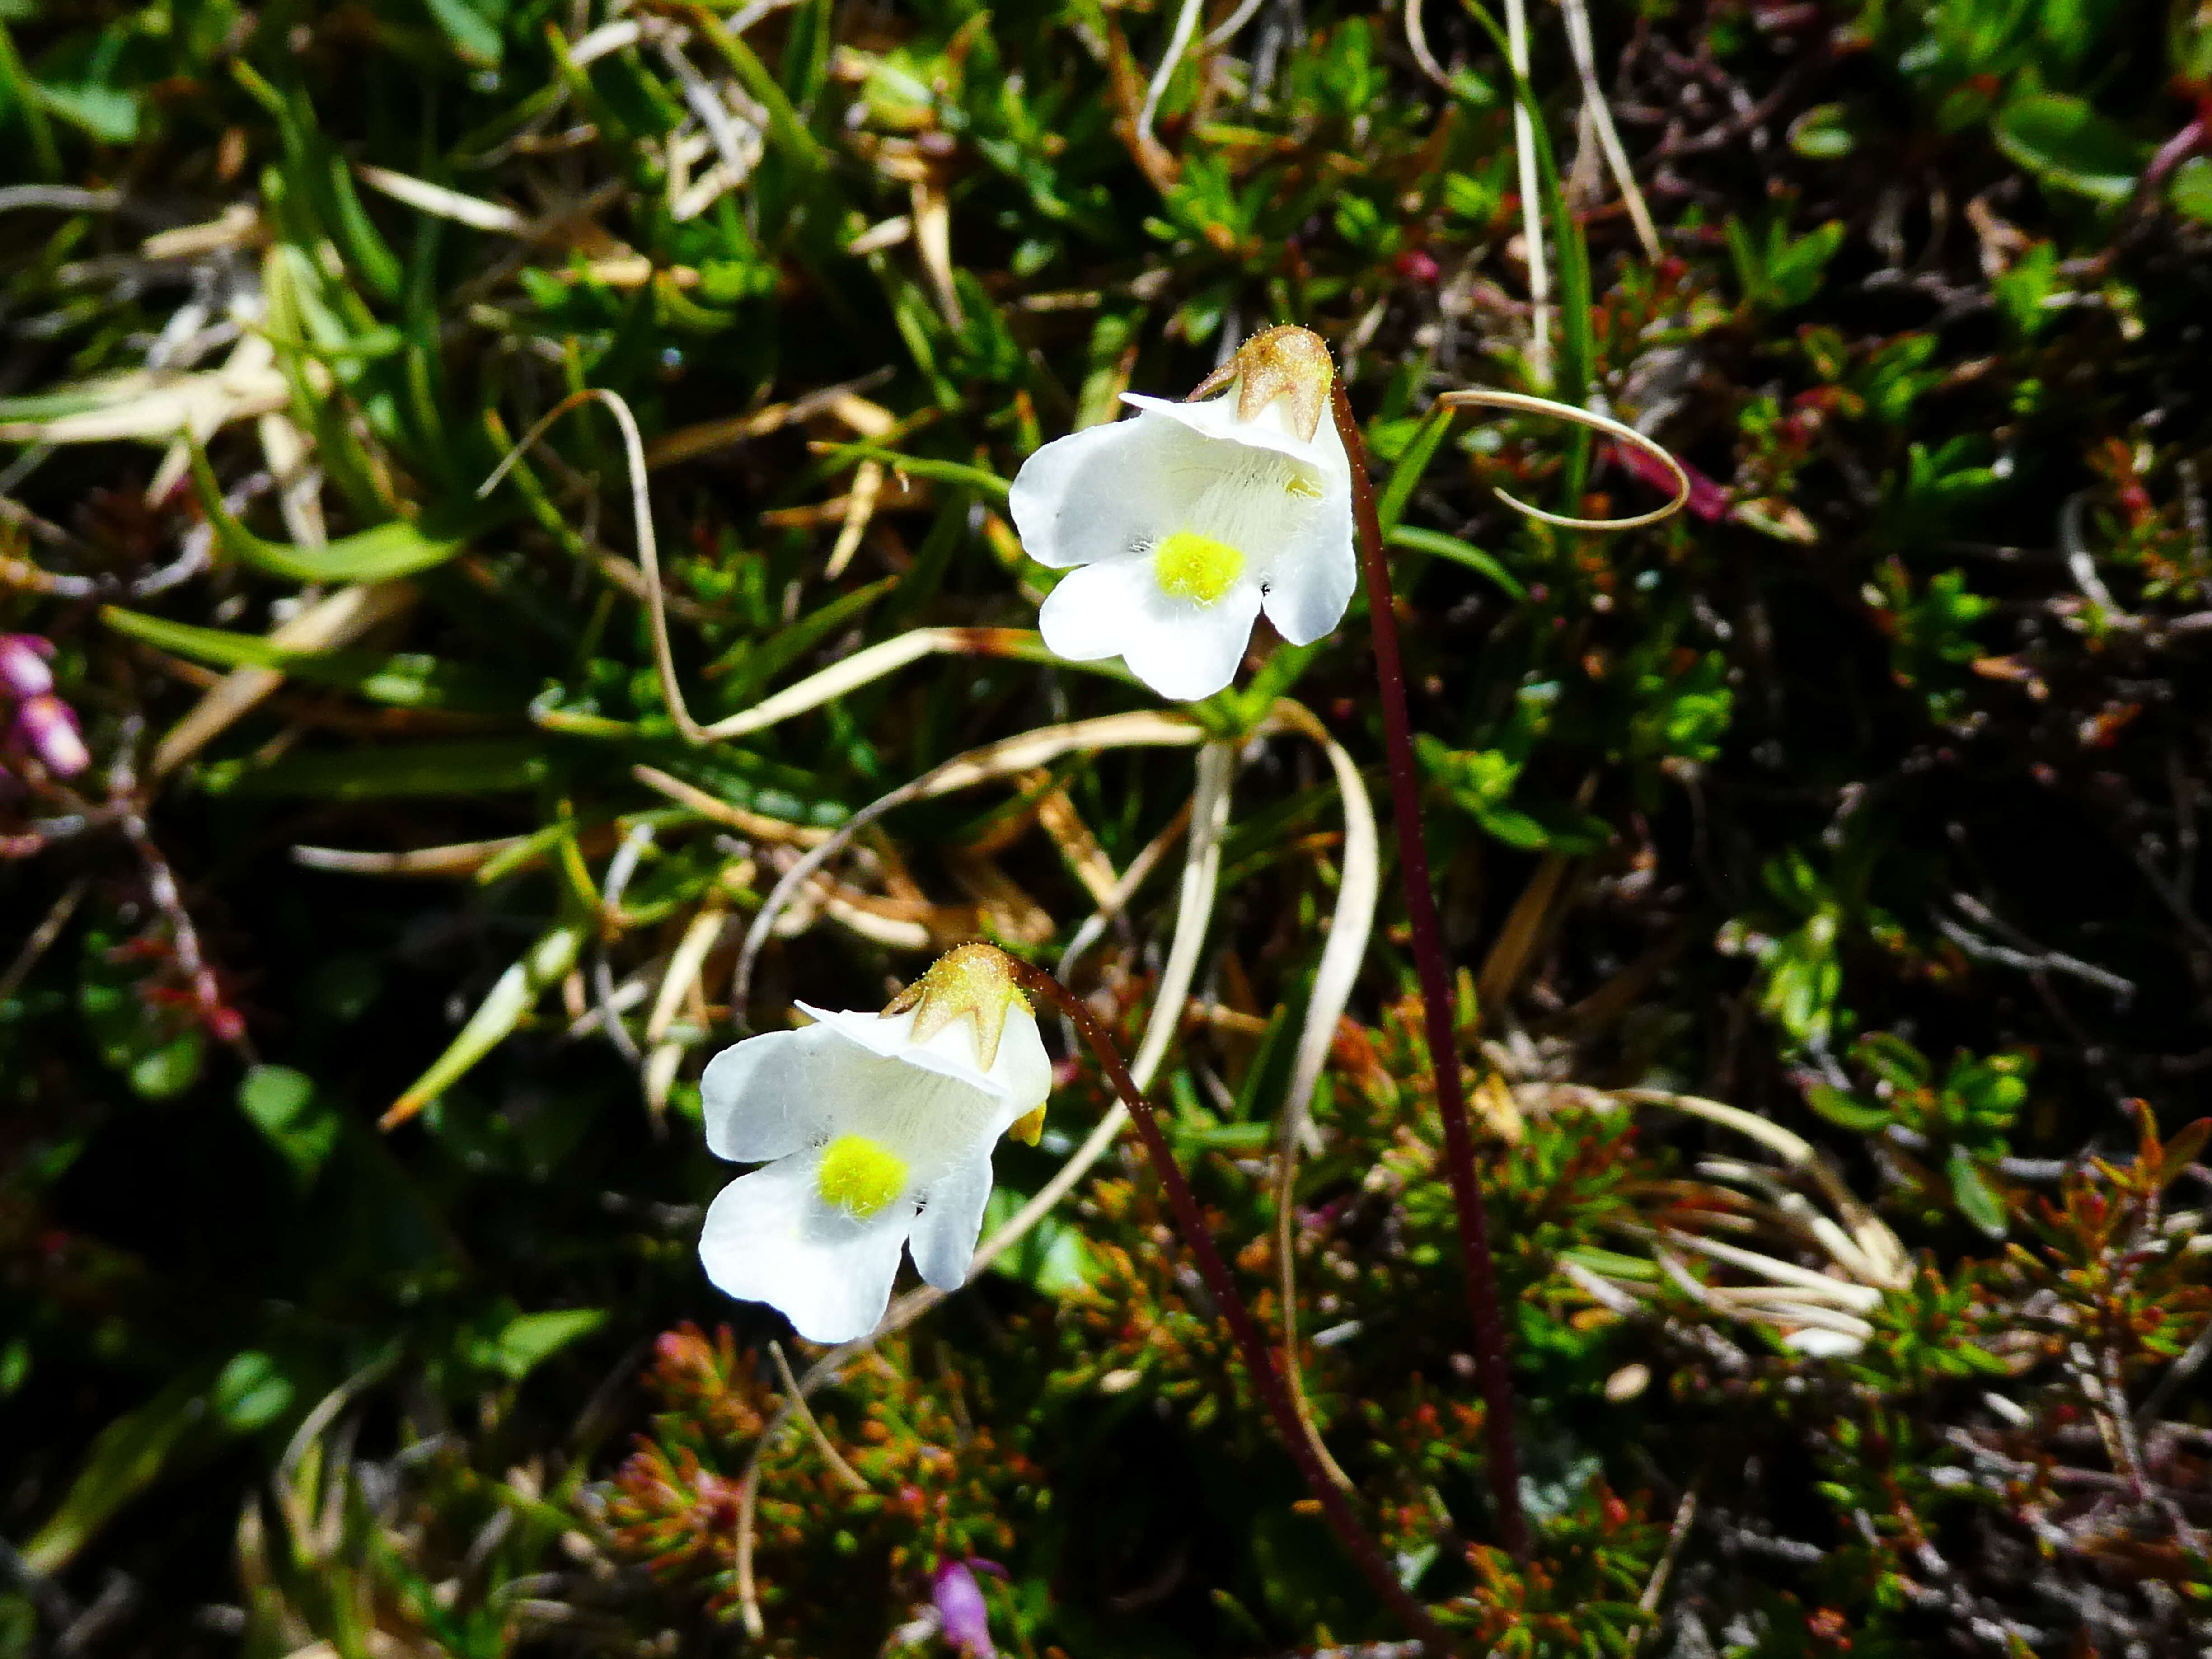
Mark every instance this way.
x=1259 y=1358
x=1436 y=996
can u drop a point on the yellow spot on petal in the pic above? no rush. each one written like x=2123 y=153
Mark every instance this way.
x=1028 y=1128
x=1190 y=566
x=860 y=1176
x=1299 y=485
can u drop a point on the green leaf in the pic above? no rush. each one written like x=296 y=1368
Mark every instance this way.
x=1892 y=1060
x=1783 y=271
x=789 y=135
x=251 y=1393
x=2190 y=190
x=398 y=549
x=529 y=1340
x=473 y=27
x=1416 y=540
x=168 y=1071
x=108 y=113
x=485 y=768
x=19 y=91
x=1823 y=133
x=282 y=1103
x=2022 y=292
x=1846 y=1111
x=512 y=996
x=1972 y=1192
x=1611 y=1263
x=1406 y=474
x=2065 y=142
x=924 y=466
x=315 y=172
x=754 y=662
x=124 y=1462
x=403 y=680
x=2183 y=1149
x=1052 y=1258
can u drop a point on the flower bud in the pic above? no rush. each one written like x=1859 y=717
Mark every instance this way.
x=961 y=1610
x=23 y=671
x=48 y=727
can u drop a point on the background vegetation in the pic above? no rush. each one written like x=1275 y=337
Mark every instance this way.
x=1865 y=799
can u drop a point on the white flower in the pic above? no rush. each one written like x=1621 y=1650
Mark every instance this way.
x=1189 y=518
x=875 y=1133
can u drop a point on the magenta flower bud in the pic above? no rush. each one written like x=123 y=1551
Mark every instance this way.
x=23 y=671
x=48 y=727
x=960 y=1609
x=1416 y=266
x=1707 y=501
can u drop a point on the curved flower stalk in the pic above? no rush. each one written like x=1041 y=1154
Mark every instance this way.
x=1426 y=932
x=1184 y=523
x=874 y=1133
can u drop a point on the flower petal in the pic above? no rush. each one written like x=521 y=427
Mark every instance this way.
x=1023 y=1066
x=762 y=1099
x=1089 y=497
x=770 y=1238
x=948 y=1053
x=1018 y=1081
x=1312 y=577
x=1216 y=417
x=1182 y=650
x=951 y=1220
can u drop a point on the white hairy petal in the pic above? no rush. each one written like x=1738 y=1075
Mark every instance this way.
x=769 y=1238
x=951 y=1221
x=1072 y=500
x=929 y=1110
x=1181 y=650
x=762 y=1099
x=1272 y=509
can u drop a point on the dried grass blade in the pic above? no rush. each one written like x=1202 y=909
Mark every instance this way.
x=441 y=203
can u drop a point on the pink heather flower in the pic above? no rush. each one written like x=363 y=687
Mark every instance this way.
x=23 y=671
x=960 y=1609
x=1415 y=266
x=1707 y=501
x=48 y=727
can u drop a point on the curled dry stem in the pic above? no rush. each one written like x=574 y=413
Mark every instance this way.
x=1008 y=755
x=648 y=550
x=836 y=680
x=1871 y=1252
x=1353 y=922
x=1619 y=431
x=1417 y=37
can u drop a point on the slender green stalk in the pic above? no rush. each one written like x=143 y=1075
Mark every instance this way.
x=1259 y=1358
x=1436 y=996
